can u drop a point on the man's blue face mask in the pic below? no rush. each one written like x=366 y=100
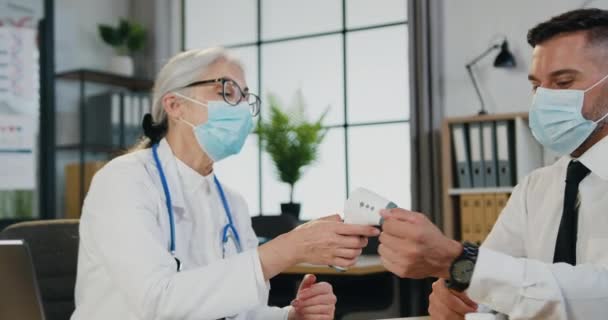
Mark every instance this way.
x=557 y=121
x=226 y=129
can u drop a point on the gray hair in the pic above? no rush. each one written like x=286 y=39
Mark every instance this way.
x=181 y=70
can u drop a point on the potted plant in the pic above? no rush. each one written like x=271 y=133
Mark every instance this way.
x=292 y=142
x=127 y=38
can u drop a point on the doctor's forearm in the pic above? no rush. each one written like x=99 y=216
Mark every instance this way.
x=277 y=255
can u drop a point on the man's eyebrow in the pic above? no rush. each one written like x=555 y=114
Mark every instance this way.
x=560 y=72
x=556 y=73
x=531 y=77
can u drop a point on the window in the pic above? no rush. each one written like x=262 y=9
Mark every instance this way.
x=350 y=56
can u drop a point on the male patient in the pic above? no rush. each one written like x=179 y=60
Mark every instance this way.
x=547 y=256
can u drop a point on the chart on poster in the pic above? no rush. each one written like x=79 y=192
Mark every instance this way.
x=17 y=154
x=19 y=71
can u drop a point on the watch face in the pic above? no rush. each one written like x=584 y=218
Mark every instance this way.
x=463 y=271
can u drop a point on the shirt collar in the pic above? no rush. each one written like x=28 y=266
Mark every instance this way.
x=192 y=181
x=596 y=158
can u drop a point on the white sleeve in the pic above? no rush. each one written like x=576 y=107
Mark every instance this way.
x=268 y=313
x=262 y=312
x=525 y=288
x=119 y=230
x=530 y=289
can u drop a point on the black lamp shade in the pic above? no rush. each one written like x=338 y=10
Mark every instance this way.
x=505 y=58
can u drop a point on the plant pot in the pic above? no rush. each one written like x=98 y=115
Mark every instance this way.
x=122 y=65
x=292 y=209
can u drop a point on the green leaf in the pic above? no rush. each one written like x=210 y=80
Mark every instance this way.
x=109 y=35
x=124 y=27
x=291 y=140
x=136 y=37
x=126 y=37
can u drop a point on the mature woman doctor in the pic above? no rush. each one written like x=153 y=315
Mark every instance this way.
x=163 y=238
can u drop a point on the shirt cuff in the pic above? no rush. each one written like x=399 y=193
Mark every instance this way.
x=496 y=280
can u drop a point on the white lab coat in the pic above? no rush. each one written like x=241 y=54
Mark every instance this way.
x=125 y=269
x=515 y=273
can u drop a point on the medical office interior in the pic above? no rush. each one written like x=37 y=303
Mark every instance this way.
x=406 y=94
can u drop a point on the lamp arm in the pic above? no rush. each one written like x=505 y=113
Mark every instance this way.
x=469 y=67
x=483 y=106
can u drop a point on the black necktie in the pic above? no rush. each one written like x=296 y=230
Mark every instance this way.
x=565 y=246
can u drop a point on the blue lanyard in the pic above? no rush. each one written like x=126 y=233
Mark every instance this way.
x=226 y=231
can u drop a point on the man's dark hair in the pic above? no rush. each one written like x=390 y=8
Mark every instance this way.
x=594 y=21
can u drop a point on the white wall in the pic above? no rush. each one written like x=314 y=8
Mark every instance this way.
x=469 y=26
x=78 y=46
x=77 y=42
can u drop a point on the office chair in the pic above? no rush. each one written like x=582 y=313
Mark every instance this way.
x=54 y=249
x=270 y=227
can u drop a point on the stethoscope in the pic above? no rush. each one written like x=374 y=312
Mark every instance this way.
x=229 y=230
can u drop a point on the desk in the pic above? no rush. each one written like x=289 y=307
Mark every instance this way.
x=366 y=265
x=367 y=286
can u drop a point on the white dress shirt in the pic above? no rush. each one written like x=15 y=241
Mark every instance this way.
x=515 y=273
x=125 y=269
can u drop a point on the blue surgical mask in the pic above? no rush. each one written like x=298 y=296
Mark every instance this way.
x=556 y=118
x=226 y=129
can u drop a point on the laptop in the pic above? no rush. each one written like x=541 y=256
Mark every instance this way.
x=18 y=286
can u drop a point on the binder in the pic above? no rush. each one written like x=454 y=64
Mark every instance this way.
x=490 y=213
x=134 y=118
x=102 y=119
x=460 y=145
x=116 y=115
x=128 y=119
x=138 y=112
x=476 y=145
x=489 y=154
x=528 y=152
x=72 y=186
x=505 y=142
x=466 y=218
x=147 y=105
x=478 y=218
x=123 y=121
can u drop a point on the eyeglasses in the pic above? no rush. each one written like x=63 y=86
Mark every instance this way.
x=232 y=93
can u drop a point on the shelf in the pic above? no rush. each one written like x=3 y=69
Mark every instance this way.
x=107 y=78
x=455 y=192
x=488 y=117
x=89 y=148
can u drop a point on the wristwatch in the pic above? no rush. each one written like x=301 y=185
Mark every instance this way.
x=461 y=270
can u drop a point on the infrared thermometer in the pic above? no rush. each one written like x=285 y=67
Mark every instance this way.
x=363 y=207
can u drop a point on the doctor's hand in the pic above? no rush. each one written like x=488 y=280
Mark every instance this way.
x=412 y=246
x=326 y=241
x=446 y=304
x=314 y=301
x=329 y=241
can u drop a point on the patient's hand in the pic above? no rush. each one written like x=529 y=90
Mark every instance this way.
x=446 y=304
x=411 y=246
